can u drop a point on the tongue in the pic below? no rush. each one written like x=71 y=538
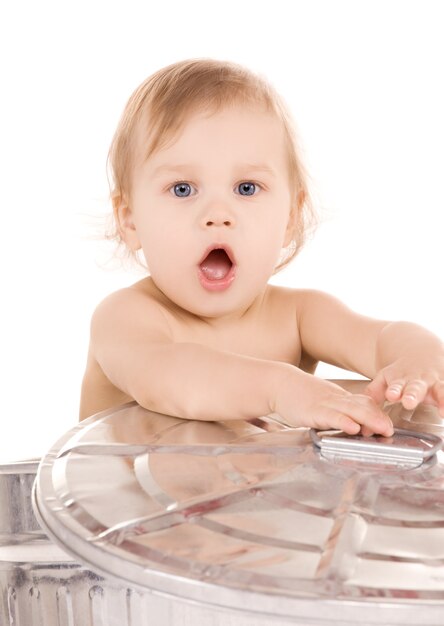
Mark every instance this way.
x=216 y=265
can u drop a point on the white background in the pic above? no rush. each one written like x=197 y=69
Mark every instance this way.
x=364 y=80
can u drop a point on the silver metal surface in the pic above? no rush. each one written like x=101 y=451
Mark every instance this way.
x=42 y=585
x=16 y=515
x=251 y=517
x=233 y=524
x=405 y=450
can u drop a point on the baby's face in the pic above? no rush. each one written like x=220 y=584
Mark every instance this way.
x=223 y=182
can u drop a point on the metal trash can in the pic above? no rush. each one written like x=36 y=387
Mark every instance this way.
x=175 y=522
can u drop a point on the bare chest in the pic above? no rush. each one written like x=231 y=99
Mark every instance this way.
x=267 y=337
x=270 y=332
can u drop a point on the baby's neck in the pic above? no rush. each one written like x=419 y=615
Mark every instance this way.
x=218 y=322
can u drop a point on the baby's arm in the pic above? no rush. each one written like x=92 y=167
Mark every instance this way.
x=132 y=343
x=405 y=361
x=410 y=363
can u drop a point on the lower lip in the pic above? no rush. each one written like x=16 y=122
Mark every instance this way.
x=217 y=285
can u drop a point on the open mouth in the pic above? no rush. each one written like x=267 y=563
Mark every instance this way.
x=216 y=270
x=216 y=264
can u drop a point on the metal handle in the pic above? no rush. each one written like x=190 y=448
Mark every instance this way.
x=406 y=449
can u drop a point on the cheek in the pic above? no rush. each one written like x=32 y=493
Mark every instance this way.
x=274 y=230
x=267 y=253
x=166 y=250
x=276 y=240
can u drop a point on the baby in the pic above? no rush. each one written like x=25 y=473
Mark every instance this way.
x=208 y=183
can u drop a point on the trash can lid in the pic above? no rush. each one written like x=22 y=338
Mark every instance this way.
x=255 y=516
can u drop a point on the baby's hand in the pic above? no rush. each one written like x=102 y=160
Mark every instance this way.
x=411 y=380
x=321 y=404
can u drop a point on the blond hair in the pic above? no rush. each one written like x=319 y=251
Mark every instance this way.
x=162 y=103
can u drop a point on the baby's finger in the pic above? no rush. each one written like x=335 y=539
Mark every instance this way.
x=376 y=389
x=413 y=393
x=362 y=409
x=330 y=419
x=437 y=393
x=395 y=390
x=366 y=432
x=337 y=420
x=371 y=417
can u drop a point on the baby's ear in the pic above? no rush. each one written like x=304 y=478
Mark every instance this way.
x=293 y=218
x=125 y=222
x=290 y=231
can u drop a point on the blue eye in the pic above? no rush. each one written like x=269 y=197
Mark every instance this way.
x=181 y=190
x=247 y=189
x=184 y=190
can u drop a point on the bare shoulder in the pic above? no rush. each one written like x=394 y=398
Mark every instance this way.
x=310 y=298
x=294 y=300
x=140 y=293
x=315 y=304
x=282 y=295
x=321 y=314
x=121 y=325
x=291 y=303
x=310 y=301
x=131 y=308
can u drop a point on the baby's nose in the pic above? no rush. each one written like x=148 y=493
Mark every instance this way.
x=218 y=217
x=219 y=222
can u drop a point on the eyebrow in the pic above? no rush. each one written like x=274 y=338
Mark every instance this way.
x=250 y=167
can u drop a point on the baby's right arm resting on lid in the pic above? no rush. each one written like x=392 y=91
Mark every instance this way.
x=132 y=343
